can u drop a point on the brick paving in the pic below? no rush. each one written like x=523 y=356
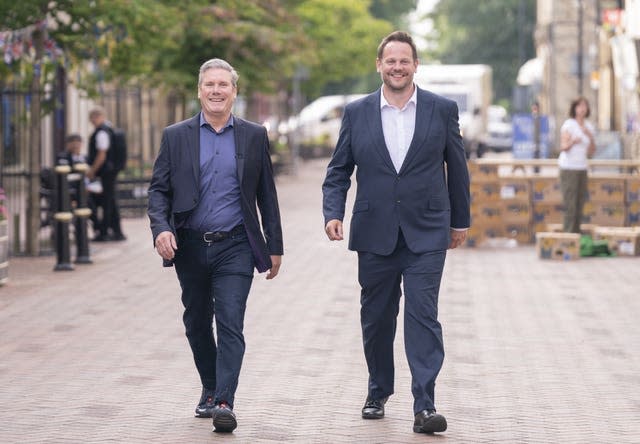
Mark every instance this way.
x=537 y=352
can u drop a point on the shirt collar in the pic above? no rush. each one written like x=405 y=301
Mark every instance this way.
x=413 y=99
x=203 y=122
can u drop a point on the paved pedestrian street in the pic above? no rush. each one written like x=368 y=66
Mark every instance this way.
x=536 y=351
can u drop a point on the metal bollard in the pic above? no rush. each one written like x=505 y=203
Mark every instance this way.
x=62 y=218
x=82 y=212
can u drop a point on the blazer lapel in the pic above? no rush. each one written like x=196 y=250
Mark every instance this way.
x=240 y=138
x=374 y=119
x=424 y=114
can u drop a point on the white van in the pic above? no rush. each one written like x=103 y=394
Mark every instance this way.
x=317 y=126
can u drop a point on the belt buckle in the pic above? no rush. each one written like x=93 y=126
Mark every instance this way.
x=212 y=236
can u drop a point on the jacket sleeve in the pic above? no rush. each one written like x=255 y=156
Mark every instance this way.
x=267 y=201
x=457 y=173
x=338 y=179
x=160 y=191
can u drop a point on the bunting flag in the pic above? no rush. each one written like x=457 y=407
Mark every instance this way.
x=17 y=45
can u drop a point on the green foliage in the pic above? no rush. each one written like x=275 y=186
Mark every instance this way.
x=489 y=32
x=394 y=11
x=259 y=37
x=343 y=38
x=162 y=43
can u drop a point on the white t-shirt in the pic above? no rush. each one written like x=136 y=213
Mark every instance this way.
x=575 y=158
x=102 y=140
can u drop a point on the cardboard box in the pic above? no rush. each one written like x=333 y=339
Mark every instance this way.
x=521 y=232
x=586 y=229
x=632 y=189
x=608 y=214
x=558 y=246
x=606 y=189
x=546 y=213
x=633 y=213
x=487 y=214
x=515 y=211
x=546 y=189
x=487 y=191
x=515 y=188
x=478 y=233
x=479 y=172
x=623 y=241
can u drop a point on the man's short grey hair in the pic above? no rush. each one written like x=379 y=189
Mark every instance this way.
x=218 y=64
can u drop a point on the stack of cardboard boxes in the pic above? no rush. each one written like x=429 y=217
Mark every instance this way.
x=530 y=209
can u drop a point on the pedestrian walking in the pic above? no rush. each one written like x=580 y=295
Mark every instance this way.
x=211 y=172
x=412 y=204
x=577 y=145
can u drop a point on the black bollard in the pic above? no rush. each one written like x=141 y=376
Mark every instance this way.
x=82 y=212
x=62 y=218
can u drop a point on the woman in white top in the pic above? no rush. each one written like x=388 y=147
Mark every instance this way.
x=576 y=145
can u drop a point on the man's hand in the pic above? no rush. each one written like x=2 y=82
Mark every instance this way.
x=334 y=229
x=166 y=245
x=276 y=261
x=457 y=238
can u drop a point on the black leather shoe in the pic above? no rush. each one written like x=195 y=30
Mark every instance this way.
x=205 y=407
x=224 y=420
x=428 y=421
x=374 y=408
x=119 y=237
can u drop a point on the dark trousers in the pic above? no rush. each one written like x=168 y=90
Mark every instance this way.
x=380 y=278
x=573 y=184
x=215 y=281
x=110 y=211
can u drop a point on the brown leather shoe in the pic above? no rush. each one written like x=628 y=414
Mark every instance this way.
x=374 y=408
x=428 y=421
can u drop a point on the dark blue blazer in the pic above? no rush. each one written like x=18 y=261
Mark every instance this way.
x=175 y=184
x=427 y=197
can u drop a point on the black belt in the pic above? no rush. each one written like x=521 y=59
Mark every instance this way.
x=209 y=236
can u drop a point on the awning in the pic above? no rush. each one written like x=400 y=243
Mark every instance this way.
x=531 y=72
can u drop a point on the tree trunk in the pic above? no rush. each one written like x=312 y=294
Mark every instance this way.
x=35 y=151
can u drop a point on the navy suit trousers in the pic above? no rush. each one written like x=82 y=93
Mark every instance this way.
x=380 y=280
x=215 y=280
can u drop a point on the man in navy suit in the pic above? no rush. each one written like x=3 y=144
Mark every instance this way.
x=412 y=204
x=211 y=173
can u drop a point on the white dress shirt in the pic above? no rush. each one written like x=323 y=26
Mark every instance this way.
x=398 y=126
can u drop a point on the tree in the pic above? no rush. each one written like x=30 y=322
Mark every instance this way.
x=494 y=32
x=261 y=38
x=119 y=37
x=343 y=38
x=394 y=11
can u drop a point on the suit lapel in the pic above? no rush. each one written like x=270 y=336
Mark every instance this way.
x=240 y=138
x=424 y=114
x=374 y=119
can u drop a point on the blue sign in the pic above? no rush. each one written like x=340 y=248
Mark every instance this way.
x=524 y=142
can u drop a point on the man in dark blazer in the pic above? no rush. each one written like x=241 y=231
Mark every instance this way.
x=412 y=204
x=211 y=173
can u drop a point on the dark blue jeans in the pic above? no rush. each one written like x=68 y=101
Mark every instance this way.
x=215 y=281
x=380 y=278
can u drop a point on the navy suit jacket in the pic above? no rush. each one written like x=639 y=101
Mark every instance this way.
x=175 y=184
x=427 y=197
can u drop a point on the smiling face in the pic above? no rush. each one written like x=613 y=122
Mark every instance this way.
x=397 y=66
x=217 y=94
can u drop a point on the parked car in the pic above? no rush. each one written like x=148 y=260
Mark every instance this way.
x=317 y=126
x=499 y=130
